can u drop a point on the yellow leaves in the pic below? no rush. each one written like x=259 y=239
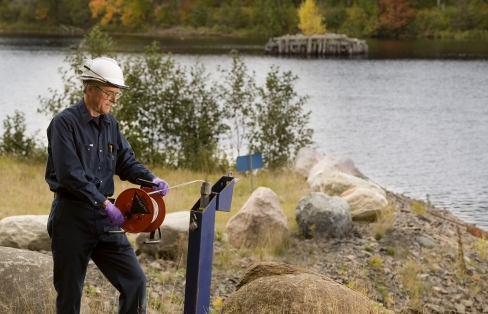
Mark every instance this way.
x=311 y=21
x=108 y=10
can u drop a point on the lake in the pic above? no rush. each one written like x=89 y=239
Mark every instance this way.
x=412 y=115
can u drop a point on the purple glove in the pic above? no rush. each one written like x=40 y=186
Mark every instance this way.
x=116 y=217
x=162 y=186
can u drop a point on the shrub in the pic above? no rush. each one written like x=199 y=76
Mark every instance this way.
x=15 y=143
x=177 y=117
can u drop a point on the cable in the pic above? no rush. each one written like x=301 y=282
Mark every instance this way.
x=178 y=185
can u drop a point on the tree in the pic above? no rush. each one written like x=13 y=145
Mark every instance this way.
x=394 y=16
x=178 y=117
x=311 y=21
x=273 y=17
x=170 y=115
x=280 y=126
x=135 y=13
x=108 y=10
x=238 y=94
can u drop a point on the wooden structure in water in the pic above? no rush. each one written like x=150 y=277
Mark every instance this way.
x=316 y=45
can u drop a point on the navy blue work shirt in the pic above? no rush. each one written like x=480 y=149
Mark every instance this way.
x=84 y=156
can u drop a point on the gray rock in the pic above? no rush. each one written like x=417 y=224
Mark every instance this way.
x=425 y=242
x=25 y=232
x=259 y=223
x=326 y=166
x=305 y=159
x=460 y=309
x=323 y=216
x=26 y=282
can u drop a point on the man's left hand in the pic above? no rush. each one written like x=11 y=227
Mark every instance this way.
x=162 y=186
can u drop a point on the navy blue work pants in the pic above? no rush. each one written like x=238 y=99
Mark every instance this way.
x=80 y=232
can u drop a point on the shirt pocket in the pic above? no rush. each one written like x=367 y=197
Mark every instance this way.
x=111 y=156
x=87 y=154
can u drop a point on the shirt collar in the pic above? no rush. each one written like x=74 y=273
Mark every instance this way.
x=86 y=116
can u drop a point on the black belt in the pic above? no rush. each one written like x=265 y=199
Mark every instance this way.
x=71 y=196
x=67 y=195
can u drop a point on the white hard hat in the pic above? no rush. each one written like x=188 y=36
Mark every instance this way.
x=105 y=70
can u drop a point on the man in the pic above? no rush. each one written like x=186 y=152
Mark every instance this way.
x=85 y=150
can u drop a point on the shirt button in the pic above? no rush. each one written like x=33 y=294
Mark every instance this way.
x=100 y=150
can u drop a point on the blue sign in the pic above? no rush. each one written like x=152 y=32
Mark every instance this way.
x=249 y=162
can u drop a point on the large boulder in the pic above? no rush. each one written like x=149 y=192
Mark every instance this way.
x=305 y=159
x=366 y=204
x=269 y=287
x=26 y=283
x=259 y=223
x=338 y=182
x=326 y=166
x=25 y=232
x=174 y=238
x=323 y=216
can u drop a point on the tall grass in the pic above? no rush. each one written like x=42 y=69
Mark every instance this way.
x=25 y=192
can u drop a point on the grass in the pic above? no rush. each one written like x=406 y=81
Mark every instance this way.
x=25 y=191
x=384 y=223
x=412 y=285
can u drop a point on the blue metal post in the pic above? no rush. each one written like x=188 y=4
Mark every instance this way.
x=200 y=244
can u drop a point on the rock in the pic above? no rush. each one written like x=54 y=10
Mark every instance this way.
x=323 y=216
x=259 y=223
x=460 y=309
x=26 y=282
x=282 y=288
x=425 y=242
x=174 y=238
x=25 y=232
x=327 y=166
x=337 y=183
x=305 y=159
x=366 y=204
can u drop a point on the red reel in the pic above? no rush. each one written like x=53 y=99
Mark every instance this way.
x=143 y=212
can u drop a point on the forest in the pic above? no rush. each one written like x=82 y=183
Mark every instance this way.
x=455 y=19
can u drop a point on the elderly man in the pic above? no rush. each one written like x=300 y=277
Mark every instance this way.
x=85 y=150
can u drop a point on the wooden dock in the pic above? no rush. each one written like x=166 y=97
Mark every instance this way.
x=316 y=45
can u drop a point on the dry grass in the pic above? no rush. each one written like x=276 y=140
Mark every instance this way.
x=26 y=192
x=481 y=246
x=384 y=223
x=412 y=285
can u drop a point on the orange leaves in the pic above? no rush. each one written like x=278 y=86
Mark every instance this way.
x=108 y=10
x=394 y=15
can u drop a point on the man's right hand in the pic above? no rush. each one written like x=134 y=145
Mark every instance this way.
x=116 y=217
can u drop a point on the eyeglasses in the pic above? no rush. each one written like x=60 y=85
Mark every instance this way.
x=109 y=95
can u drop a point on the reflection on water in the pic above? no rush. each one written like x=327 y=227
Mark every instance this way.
x=193 y=44
x=414 y=124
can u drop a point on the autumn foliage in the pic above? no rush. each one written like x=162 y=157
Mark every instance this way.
x=466 y=19
x=394 y=16
x=106 y=10
x=311 y=21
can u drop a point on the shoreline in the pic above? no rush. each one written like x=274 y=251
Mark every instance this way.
x=424 y=264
